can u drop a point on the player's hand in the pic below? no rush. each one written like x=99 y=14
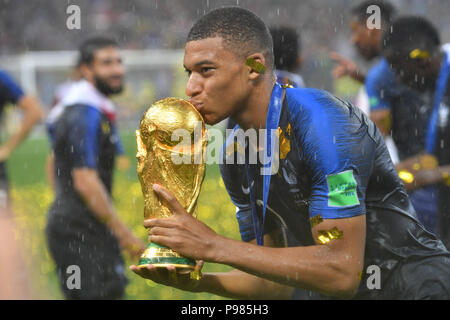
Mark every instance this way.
x=133 y=247
x=344 y=66
x=127 y=241
x=169 y=277
x=182 y=232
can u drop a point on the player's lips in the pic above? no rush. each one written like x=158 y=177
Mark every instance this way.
x=197 y=105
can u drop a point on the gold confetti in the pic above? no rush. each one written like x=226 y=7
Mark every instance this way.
x=446 y=177
x=235 y=148
x=106 y=127
x=288 y=129
x=325 y=236
x=419 y=54
x=406 y=176
x=195 y=275
x=285 y=144
x=314 y=221
x=255 y=65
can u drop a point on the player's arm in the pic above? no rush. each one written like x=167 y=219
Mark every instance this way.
x=30 y=106
x=346 y=67
x=83 y=139
x=332 y=268
x=422 y=170
x=91 y=189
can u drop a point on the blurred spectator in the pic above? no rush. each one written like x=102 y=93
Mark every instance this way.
x=413 y=49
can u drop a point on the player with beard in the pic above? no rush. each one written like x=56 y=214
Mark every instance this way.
x=83 y=228
x=380 y=82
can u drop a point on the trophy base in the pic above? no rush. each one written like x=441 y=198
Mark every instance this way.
x=161 y=257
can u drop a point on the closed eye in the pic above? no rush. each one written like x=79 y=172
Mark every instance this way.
x=206 y=69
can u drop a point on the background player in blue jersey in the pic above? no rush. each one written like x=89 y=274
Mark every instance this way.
x=336 y=189
x=83 y=228
x=380 y=82
x=395 y=108
x=414 y=51
x=10 y=92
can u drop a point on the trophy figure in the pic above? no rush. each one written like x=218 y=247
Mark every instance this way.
x=177 y=165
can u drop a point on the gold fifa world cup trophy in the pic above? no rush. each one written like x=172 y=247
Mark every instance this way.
x=177 y=165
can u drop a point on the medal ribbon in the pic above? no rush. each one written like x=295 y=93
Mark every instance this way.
x=272 y=121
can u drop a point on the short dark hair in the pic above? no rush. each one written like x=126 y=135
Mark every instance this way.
x=89 y=46
x=241 y=30
x=409 y=33
x=387 y=10
x=286 y=47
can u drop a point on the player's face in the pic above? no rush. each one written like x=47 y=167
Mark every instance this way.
x=108 y=70
x=367 y=41
x=218 y=84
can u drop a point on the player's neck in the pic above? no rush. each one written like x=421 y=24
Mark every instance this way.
x=254 y=114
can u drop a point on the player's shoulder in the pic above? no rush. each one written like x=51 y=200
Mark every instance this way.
x=82 y=114
x=4 y=76
x=309 y=103
x=380 y=74
x=6 y=80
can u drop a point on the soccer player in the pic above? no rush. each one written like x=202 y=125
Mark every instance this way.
x=10 y=92
x=335 y=189
x=414 y=50
x=61 y=91
x=380 y=82
x=286 y=50
x=395 y=108
x=83 y=228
